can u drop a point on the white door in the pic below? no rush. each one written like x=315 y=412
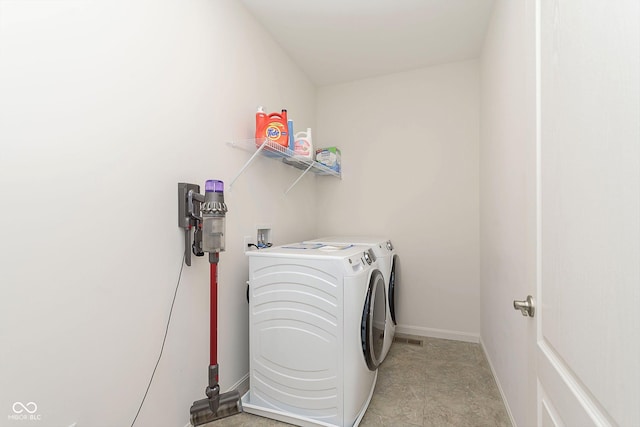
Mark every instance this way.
x=588 y=343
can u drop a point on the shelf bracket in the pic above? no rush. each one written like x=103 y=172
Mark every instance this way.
x=246 y=165
x=299 y=178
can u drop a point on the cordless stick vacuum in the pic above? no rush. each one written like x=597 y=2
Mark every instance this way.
x=208 y=219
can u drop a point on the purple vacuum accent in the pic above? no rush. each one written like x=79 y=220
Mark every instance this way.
x=213 y=185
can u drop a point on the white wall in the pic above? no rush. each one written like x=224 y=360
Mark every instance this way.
x=507 y=202
x=409 y=146
x=104 y=107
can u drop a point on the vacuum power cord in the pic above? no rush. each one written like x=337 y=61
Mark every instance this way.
x=166 y=331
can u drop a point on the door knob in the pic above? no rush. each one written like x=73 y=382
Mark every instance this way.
x=527 y=307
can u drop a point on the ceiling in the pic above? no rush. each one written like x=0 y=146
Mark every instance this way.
x=336 y=41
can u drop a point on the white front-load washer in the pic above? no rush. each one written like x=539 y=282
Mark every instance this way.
x=388 y=258
x=316 y=318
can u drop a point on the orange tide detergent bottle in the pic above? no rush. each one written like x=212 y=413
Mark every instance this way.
x=273 y=127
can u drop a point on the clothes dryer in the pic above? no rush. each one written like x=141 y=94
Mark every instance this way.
x=388 y=258
x=316 y=328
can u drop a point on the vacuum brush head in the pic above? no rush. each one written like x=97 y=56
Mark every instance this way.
x=202 y=413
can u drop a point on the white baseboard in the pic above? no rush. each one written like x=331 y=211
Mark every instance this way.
x=437 y=333
x=242 y=385
x=495 y=377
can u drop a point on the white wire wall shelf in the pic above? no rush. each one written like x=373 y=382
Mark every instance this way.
x=276 y=151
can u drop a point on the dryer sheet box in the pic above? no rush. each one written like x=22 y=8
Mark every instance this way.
x=330 y=157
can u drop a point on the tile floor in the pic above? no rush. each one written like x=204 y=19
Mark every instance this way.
x=441 y=383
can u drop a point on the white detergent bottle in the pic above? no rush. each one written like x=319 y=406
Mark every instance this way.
x=303 y=147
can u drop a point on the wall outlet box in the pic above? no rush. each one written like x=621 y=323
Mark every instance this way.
x=263 y=236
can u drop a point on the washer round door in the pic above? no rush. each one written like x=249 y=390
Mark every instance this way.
x=392 y=290
x=373 y=321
